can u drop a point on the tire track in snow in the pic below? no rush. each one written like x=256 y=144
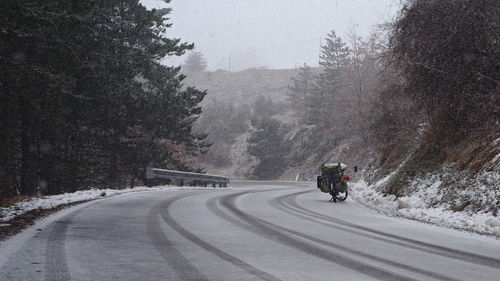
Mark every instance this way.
x=289 y=202
x=165 y=212
x=282 y=235
x=182 y=266
x=56 y=266
x=280 y=205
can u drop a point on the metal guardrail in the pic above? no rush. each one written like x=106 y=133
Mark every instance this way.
x=180 y=177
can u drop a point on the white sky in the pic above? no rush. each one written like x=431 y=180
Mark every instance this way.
x=268 y=33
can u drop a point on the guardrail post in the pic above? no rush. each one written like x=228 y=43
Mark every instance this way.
x=149 y=177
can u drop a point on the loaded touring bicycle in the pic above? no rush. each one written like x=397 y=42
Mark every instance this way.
x=334 y=181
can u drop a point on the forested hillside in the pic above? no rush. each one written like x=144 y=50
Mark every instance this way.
x=232 y=102
x=84 y=101
x=299 y=118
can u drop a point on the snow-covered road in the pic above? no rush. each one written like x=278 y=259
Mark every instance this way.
x=255 y=231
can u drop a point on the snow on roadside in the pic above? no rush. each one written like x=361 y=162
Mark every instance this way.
x=426 y=203
x=49 y=202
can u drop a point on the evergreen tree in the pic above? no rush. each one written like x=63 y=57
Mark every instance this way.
x=84 y=100
x=334 y=53
x=266 y=143
x=333 y=58
x=263 y=107
x=323 y=103
x=195 y=62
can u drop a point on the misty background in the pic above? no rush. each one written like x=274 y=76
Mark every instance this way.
x=278 y=34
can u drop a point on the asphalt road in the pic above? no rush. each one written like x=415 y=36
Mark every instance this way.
x=254 y=231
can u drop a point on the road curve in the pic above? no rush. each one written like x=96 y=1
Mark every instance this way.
x=254 y=231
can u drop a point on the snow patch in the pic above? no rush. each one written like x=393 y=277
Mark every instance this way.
x=426 y=202
x=384 y=180
x=403 y=204
x=49 y=202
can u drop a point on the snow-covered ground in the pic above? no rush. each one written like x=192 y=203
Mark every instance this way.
x=426 y=203
x=48 y=202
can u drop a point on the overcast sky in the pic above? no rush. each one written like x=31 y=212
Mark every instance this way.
x=268 y=33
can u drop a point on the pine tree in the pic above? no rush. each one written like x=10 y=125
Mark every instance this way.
x=333 y=58
x=323 y=103
x=266 y=143
x=84 y=100
x=263 y=107
x=195 y=62
x=334 y=53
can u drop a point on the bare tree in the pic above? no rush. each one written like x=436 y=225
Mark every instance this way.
x=449 y=54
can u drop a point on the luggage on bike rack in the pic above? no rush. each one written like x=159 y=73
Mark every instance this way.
x=333 y=180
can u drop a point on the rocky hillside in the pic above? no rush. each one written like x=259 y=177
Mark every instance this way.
x=238 y=91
